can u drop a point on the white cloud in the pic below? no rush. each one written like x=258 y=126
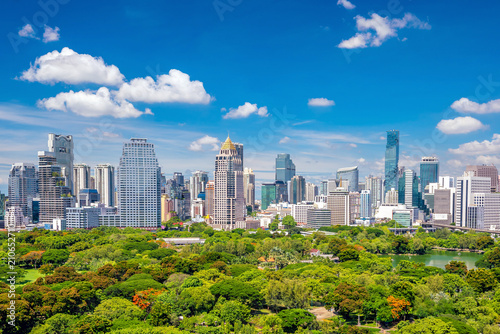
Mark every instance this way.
x=382 y=138
x=27 y=31
x=464 y=105
x=91 y=104
x=460 y=125
x=71 y=67
x=361 y=160
x=479 y=148
x=409 y=161
x=346 y=4
x=245 y=111
x=383 y=28
x=320 y=102
x=51 y=34
x=455 y=163
x=173 y=87
x=284 y=140
x=488 y=160
x=106 y=134
x=321 y=138
x=199 y=144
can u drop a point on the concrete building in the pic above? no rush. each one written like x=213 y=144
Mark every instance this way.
x=354 y=206
x=62 y=148
x=229 y=200
x=297 y=189
x=376 y=187
x=167 y=208
x=365 y=204
x=490 y=202
x=86 y=197
x=23 y=187
x=311 y=191
x=15 y=219
x=81 y=179
x=444 y=206
x=299 y=211
x=317 y=218
x=82 y=217
x=209 y=198
x=249 y=187
x=197 y=184
x=489 y=171
x=467 y=186
x=392 y=197
x=105 y=183
x=338 y=204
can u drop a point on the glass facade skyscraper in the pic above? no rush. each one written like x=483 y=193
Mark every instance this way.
x=285 y=168
x=351 y=175
x=23 y=187
x=391 y=160
x=268 y=195
x=429 y=172
x=139 y=186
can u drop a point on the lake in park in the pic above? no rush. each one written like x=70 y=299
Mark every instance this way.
x=438 y=258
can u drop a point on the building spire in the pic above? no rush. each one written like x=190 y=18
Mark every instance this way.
x=228 y=144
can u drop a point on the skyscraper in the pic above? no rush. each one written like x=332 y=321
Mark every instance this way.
x=429 y=172
x=268 y=195
x=62 y=147
x=285 y=168
x=81 y=178
x=486 y=171
x=466 y=213
x=139 y=186
x=209 y=198
x=391 y=160
x=411 y=193
x=297 y=190
x=311 y=191
x=249 y=186
x=350 y=174
x=239 y=149
x=376 y=187
x=105 y=183
x=229 y=197
x=197 y=184
x=23 y=187
x=55 y=196
x=338 y=204
x=366 y=204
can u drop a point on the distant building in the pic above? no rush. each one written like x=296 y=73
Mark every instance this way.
x=392 y=197
x=83 y=217
x=351 y=175
x=285 y=168
x=466 y=212
x=391 y=160
x=249 y=187
x=338 y=204
x=297 y=189
x=376 y=186
x=311 y=191
x=317 y=218
x=198 y=183
x=209 y=198
x=86 y=197
x=105 y=183
x=299 y=211
x=23 y=187
x=268 y=195
x=366 y=207
x=429 y=172
x=62 y=148
x=489 y=171
x=81 y=179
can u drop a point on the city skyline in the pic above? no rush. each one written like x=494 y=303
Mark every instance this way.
x=314 y=92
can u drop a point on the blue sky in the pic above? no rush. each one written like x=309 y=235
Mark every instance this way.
x=320 y=80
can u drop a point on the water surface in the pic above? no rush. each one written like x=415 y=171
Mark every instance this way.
x=437 y=258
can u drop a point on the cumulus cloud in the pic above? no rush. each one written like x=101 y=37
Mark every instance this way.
x=464 y=105
x=346 y=4
x=320 y=102
x=92 y=104
x=51 y=34
x=245 y=111
x=27 y=31
x=284 y=140
x=479 y=148
x=199 y=144
x=488 y=160
x=460 y=125
x=173 y=87
x=105 y=134
x=376 y=30
x=71 y=67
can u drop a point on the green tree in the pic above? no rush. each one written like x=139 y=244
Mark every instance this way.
x=481 y=280
x=116 y=308
x=456 y=267
x=233 y=310
x=55 y=256
x=292 y=319
x=196 y=300
x=347 y=299
x=289 y=222
x=428 y=326
x=400 y=245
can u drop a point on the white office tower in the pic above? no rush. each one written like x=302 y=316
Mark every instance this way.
x=229 y=201
x=104 y=175
x=299 y=211
x=197 y=183
x=23 y=187
x=467 y=213
x=490 y=202
x=311 y=191
x=366 y=207
x=446 y=182
x=62 y=147
x=410 y=185
x=391 y=197
x=81 y=178
x=376 y=186
x=249 y=187
x=139 y=186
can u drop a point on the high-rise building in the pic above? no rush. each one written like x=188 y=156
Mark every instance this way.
x=81 y=178
x=366 y=204
x=62 y=147
x=285 y=168
x=351 y=175
x=392 y=196
x=311 y=191
x=299 y=211
x=167 y=208
x=486 y=171
x=391 y=160
x=376 y=187
x=444 y=206
x=82 y=217
x=268 y=195
x=446 y=182
x=229 y=196
x=105 y=183
x=55 y=196
x=139 y=186
x=86 y=197
x=239 y=149
x=179 y=179
x=3 y=198
x=338 y=204
x=317 y=218
x=209 y=198
x=323 y=188
x=197 y=183
x=281 y=191
x=411 y=193
x=467 y=186
x=297 y=190
x=23 y=187
x=354 y=206
x=249 y=187
x=429 y=172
